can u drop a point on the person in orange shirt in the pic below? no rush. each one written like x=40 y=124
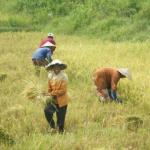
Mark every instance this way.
x=106 y=80
x=57 y=88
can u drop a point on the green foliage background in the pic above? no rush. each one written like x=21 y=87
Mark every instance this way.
x=115 y=20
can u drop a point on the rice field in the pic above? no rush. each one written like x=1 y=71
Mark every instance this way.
x=90 y=125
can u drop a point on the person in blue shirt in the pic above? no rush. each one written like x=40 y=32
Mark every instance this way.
x=42 y=56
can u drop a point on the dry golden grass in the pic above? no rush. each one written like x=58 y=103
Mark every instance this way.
x=90 y=125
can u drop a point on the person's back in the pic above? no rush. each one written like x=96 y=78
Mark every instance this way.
x=106 y=77
x=48 y=39
x=42 y=56
x=41 y=53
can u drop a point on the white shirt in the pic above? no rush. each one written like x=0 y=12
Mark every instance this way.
x=61 y=76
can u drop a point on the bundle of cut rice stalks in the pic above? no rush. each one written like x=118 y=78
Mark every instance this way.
x=32 y=90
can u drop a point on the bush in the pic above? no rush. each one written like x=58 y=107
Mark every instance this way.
x=107 y=19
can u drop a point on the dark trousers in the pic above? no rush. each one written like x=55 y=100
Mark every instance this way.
x=60 y=114
x=39 y=62
x=109 y=92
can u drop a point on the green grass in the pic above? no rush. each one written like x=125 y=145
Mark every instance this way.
x=90 y=125
x=120 y=20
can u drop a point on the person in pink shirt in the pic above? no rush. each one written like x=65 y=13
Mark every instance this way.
x=50 y=38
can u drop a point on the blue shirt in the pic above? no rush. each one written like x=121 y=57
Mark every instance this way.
x=42 y=53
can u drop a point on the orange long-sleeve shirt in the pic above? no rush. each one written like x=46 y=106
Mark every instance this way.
x=106 y=78
x=57 y=86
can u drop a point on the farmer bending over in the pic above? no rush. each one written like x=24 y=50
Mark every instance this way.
x=57 y=88
x=50 y=38
x=106 y=80
x=42 y=56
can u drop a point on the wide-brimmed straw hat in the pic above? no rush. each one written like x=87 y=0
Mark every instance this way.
x=54 y=63
x=125 y=72
x=49 y=44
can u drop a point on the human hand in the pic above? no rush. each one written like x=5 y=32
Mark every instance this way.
x=46 y=94
x=53 y=93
